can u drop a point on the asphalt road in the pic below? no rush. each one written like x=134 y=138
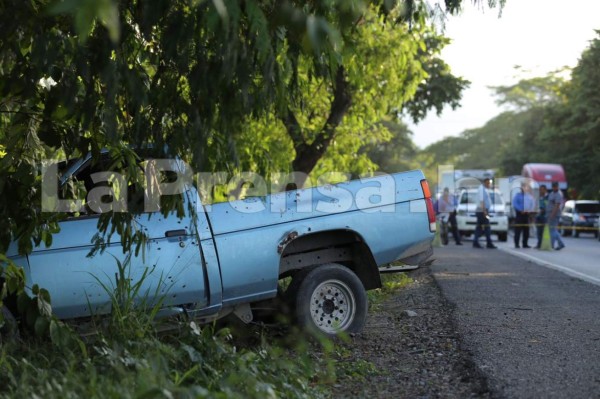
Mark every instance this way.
x=534 y=332
x=580 y=258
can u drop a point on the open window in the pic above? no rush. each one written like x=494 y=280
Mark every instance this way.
x=104 y=185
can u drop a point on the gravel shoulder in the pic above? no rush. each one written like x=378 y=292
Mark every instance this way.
x=409 y=356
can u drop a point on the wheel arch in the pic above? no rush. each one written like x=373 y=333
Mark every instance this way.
x=342 y=246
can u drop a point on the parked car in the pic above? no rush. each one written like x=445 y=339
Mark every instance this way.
x=579 y=216
x=466 y=218
x=207 y=262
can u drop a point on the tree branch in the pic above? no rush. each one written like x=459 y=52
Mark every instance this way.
x=339 y=107
x=293 y=129
x=307 y=156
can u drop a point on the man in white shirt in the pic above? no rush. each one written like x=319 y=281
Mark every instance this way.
x=524 y=204
x=482 y=211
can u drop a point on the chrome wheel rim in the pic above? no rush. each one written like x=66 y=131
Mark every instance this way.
x=332 y=306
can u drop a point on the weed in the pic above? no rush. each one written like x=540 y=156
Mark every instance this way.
x=390 y=283
x=127 y=358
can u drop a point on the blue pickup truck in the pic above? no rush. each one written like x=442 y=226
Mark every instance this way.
x=326 y=242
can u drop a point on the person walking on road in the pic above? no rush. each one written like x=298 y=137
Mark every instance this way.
x=447 y=204
x=540 y=218
x=523 y=204
x=555 y=200
x=482 y=211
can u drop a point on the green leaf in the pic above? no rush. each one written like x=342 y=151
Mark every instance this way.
x=222 y=10
x=32 y=313
x=64 y=6
x=13 y=284
x=41 y=326
x=85 y=12
x=56 y=332
x=47 y=237
x=23 y=301
x=108 y=13
x=14 y=277
x=44 y=307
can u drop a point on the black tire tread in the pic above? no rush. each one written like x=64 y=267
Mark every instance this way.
x=314 y=276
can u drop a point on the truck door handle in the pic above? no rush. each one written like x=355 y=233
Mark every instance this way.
x=175 y=233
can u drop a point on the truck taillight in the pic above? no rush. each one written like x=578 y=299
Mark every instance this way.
x=429 y=203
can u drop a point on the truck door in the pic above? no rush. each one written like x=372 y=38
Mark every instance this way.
x=169 y=266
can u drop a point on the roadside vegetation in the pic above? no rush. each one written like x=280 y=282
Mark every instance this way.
x=391 y=282
x=128 y=356
x=195 y=362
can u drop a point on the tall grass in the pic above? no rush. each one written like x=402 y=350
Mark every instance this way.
x=204 y=363
x=128 y=358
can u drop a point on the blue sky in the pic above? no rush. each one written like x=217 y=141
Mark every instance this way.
x=538 y=35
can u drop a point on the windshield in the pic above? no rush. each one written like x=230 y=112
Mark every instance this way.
x=470 y=197
x=588 y=208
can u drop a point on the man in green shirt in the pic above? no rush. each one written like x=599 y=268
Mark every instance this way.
x=554 y=206
x=540 y=218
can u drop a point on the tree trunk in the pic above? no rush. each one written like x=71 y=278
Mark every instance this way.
x=307 y=155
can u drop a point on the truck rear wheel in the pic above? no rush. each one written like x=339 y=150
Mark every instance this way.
x=330 y=299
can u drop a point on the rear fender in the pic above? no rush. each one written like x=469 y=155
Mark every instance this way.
x=345 y=247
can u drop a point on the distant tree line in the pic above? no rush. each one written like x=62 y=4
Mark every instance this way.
x=550 y=119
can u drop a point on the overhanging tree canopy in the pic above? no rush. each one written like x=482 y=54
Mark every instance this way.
x=78 y=76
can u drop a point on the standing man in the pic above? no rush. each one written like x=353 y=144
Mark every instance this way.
x=482 y=211
x=555 y=200
x=447 y=204
x=524 y=204
x=540 y=218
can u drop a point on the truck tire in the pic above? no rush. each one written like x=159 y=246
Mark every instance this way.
x=330 y=299
x=503 y=237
